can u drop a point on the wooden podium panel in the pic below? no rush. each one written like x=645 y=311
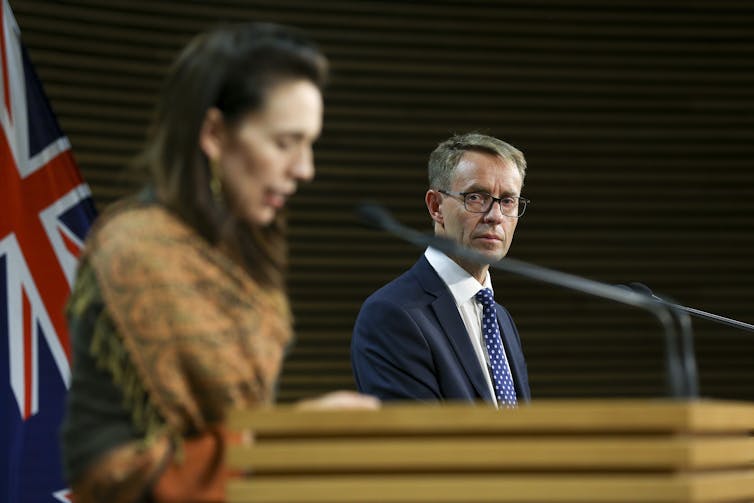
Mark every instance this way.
x=547 y=451
x=522 y=488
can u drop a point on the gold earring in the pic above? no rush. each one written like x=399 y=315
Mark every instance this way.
x=215 y=185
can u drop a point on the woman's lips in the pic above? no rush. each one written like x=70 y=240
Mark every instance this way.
x=278 y=198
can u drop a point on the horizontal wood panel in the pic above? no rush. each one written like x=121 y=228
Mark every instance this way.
x=543 y=416
x=444 y=488
x=493 y=454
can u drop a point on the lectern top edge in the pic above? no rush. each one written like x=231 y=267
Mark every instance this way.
x=543 y=416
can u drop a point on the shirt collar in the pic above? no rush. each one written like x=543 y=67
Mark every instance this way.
x=462 y=285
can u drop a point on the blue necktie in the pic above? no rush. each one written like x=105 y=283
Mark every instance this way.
x=502 y=380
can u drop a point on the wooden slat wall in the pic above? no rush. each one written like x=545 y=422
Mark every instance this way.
x=637 y=118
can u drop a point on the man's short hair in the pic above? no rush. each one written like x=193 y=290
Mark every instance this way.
x=444 y=159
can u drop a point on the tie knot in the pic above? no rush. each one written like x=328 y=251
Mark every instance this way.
x=484 y=296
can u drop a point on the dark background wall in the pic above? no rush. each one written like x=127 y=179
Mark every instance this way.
x=637 y=118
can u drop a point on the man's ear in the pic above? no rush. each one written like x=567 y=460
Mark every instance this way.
x=433 y=199
x=212 y=134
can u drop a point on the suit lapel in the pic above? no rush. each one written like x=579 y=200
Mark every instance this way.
x=446 y=311
x=511 y=348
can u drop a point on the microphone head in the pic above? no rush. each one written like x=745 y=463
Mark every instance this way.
x=641 y=288
x=374 y=215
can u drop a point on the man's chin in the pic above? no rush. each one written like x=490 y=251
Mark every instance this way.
x=492 y=255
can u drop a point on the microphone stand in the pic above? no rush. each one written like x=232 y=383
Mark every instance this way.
x=687 y=350
x=683 y=321
x=681 y=381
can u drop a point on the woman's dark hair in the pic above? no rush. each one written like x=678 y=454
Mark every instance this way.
x=231 y=68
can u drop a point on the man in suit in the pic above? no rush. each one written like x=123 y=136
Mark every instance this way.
x=434 y=333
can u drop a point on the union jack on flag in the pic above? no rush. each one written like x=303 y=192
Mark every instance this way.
x=45 y=212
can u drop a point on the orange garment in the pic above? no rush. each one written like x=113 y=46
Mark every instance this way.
x=193 y=337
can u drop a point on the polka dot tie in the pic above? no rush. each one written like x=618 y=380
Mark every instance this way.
x=501 y=373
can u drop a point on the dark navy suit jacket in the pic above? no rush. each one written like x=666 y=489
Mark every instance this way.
x=409 y=342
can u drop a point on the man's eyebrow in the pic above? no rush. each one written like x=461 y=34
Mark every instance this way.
x=478 y=188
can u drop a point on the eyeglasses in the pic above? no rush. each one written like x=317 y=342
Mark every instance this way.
x=481 y=202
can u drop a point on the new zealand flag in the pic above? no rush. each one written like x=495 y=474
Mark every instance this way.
x=45 y=212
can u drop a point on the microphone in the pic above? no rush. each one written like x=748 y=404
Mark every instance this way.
x=642 y=288
x=681 y=381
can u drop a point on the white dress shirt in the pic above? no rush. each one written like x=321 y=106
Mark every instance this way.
x=463 y=287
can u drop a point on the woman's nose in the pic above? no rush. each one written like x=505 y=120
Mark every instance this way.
x=303 y=165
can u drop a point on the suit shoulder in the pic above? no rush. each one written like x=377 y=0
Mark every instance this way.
x=402 y=290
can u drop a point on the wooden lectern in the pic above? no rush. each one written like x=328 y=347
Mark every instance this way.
x=547 y=451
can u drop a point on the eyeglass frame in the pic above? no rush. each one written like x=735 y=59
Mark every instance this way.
x=493 y=199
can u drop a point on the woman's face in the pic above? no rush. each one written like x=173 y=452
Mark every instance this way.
x=262 y=159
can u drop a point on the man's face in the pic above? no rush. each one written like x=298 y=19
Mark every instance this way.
x=488 y=233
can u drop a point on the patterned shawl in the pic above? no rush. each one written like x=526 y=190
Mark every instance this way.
x=201 y=335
